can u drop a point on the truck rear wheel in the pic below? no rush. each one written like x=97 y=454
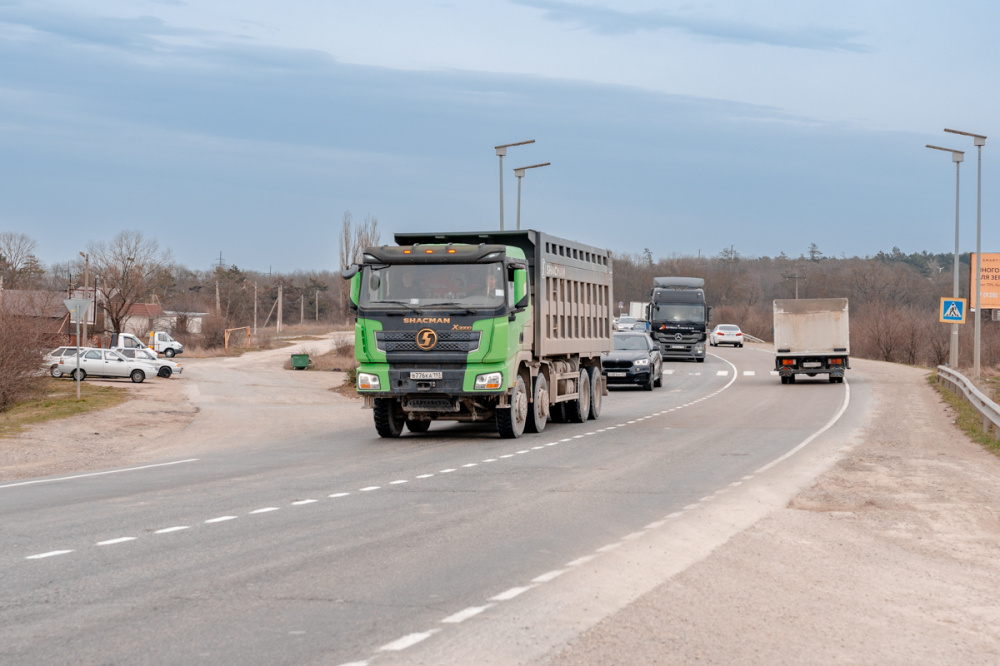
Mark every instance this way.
x=578 y=410
x=596 y=391
x=511 y=420
x=538 y=411
x=389 y=418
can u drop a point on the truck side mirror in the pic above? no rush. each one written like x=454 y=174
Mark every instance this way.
x=352 y=302
x=521 y=296
x=709 y=313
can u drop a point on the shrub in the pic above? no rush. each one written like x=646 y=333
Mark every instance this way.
x=23 y=340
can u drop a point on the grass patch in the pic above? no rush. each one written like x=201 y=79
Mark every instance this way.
x=967 y=417
x=58 y=401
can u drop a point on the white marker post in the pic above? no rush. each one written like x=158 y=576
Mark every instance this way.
x=77 y=310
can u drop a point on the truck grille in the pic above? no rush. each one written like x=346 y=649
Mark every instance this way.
x=447 y=341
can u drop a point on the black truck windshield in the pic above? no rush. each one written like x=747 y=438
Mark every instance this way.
x=675 y=312
x=430 y=285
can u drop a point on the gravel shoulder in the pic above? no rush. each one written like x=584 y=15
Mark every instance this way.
x=890 y=557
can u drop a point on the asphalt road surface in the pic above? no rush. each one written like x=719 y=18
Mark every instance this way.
x=450 y=547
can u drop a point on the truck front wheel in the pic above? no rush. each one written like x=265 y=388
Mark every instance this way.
x=389 y=418
x=511 y=420
x=169 y=353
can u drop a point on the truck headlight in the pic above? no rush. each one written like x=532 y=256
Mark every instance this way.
x=641 y=361
x=369 y=382
x=491 y=380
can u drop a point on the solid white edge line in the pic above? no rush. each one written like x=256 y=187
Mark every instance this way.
x=409 y=640
x=580 y=560
x=511 y=593
x=463 y=615
x=549 y=576
x=83 y=476
x=610 y=546
x=810 y=438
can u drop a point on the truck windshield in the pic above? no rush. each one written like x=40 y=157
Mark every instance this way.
x=678 y=312
x=429 y=285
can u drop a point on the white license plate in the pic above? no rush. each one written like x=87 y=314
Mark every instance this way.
x=425 y=375
x=677 y=346
x=617 y=374
x=812 y=364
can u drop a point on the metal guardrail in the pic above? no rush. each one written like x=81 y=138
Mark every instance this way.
x=959 y=384
x=751 y=338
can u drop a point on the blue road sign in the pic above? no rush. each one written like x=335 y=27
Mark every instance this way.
x=952 y=310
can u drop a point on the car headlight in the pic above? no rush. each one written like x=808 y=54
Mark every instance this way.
x=369 y=382
x=641 y=361
x=489 y=381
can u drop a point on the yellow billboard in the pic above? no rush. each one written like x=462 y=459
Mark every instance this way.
x=989 y=281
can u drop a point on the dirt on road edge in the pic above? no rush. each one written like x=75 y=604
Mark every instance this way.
x=891 y=557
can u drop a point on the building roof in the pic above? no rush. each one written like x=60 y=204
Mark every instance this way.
x=34 y=303
x=147 y=310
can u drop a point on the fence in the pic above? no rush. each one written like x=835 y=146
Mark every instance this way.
x=959 y=384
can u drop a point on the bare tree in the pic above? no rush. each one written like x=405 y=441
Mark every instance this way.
x=354 y=239
x=126 y=271
x=19 y=267
x=24 y=335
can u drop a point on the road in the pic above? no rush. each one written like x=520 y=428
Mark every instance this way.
x=330 y=545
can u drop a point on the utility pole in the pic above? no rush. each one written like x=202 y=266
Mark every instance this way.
x=255 y=309
x=302 y=308
x=218 y=303
x=795 y=276
x=86 y=288
x=280 y=290
x=317 y=305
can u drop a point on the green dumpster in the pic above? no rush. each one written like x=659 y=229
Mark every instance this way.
x=300 y=361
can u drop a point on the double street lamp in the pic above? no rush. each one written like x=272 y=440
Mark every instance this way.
x=501 y=151
x=957 y=156
x=979 y=141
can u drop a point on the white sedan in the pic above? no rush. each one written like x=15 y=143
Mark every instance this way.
x=164 y=366
x=726 y=334
x=106 y=363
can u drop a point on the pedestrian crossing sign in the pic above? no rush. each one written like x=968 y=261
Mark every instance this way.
x=952 y=310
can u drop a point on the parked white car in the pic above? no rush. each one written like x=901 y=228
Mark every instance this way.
x=164 y=366
x=106 y=363
x=51 y=360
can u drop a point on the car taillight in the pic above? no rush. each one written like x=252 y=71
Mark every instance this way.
x=739 y=334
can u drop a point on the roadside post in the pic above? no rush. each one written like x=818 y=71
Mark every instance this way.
x=77 y=310
x=952 y=311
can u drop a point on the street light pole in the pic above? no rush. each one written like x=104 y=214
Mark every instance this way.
x=957 y=156
x=501 y=151
x=519 y=172
x=979 y=141
x=86 y=287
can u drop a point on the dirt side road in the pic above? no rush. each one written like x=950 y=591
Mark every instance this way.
x=892 y=557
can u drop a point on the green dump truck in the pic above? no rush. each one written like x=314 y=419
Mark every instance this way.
x=505 y=327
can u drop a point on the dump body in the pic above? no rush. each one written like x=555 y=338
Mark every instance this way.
x=441 y=348
x=811 y=337
x=678 y=317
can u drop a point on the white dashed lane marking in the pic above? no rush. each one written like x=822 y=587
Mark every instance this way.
x=408 y=641
x=220 y=519
x=111 y=542
x=51 y=553
x=463 y=615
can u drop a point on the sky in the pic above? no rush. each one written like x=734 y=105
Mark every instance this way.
x=245 y=129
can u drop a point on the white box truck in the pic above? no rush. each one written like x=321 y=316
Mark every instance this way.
x=811 y=337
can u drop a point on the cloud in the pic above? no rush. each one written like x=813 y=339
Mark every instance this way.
x=607 y=21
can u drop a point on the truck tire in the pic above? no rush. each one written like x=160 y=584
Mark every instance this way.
x=596 y=392
x=389 y=418
x=511 y=420
x=538 y=410
x=137 y=376
x=168 y=352
x=417 y=426
x=577 y=411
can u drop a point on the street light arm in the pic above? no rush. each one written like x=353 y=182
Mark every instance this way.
x=956 y=155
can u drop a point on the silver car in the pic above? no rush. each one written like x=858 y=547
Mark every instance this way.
x=106 y=363
x=51 y=360
x=164 y=366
